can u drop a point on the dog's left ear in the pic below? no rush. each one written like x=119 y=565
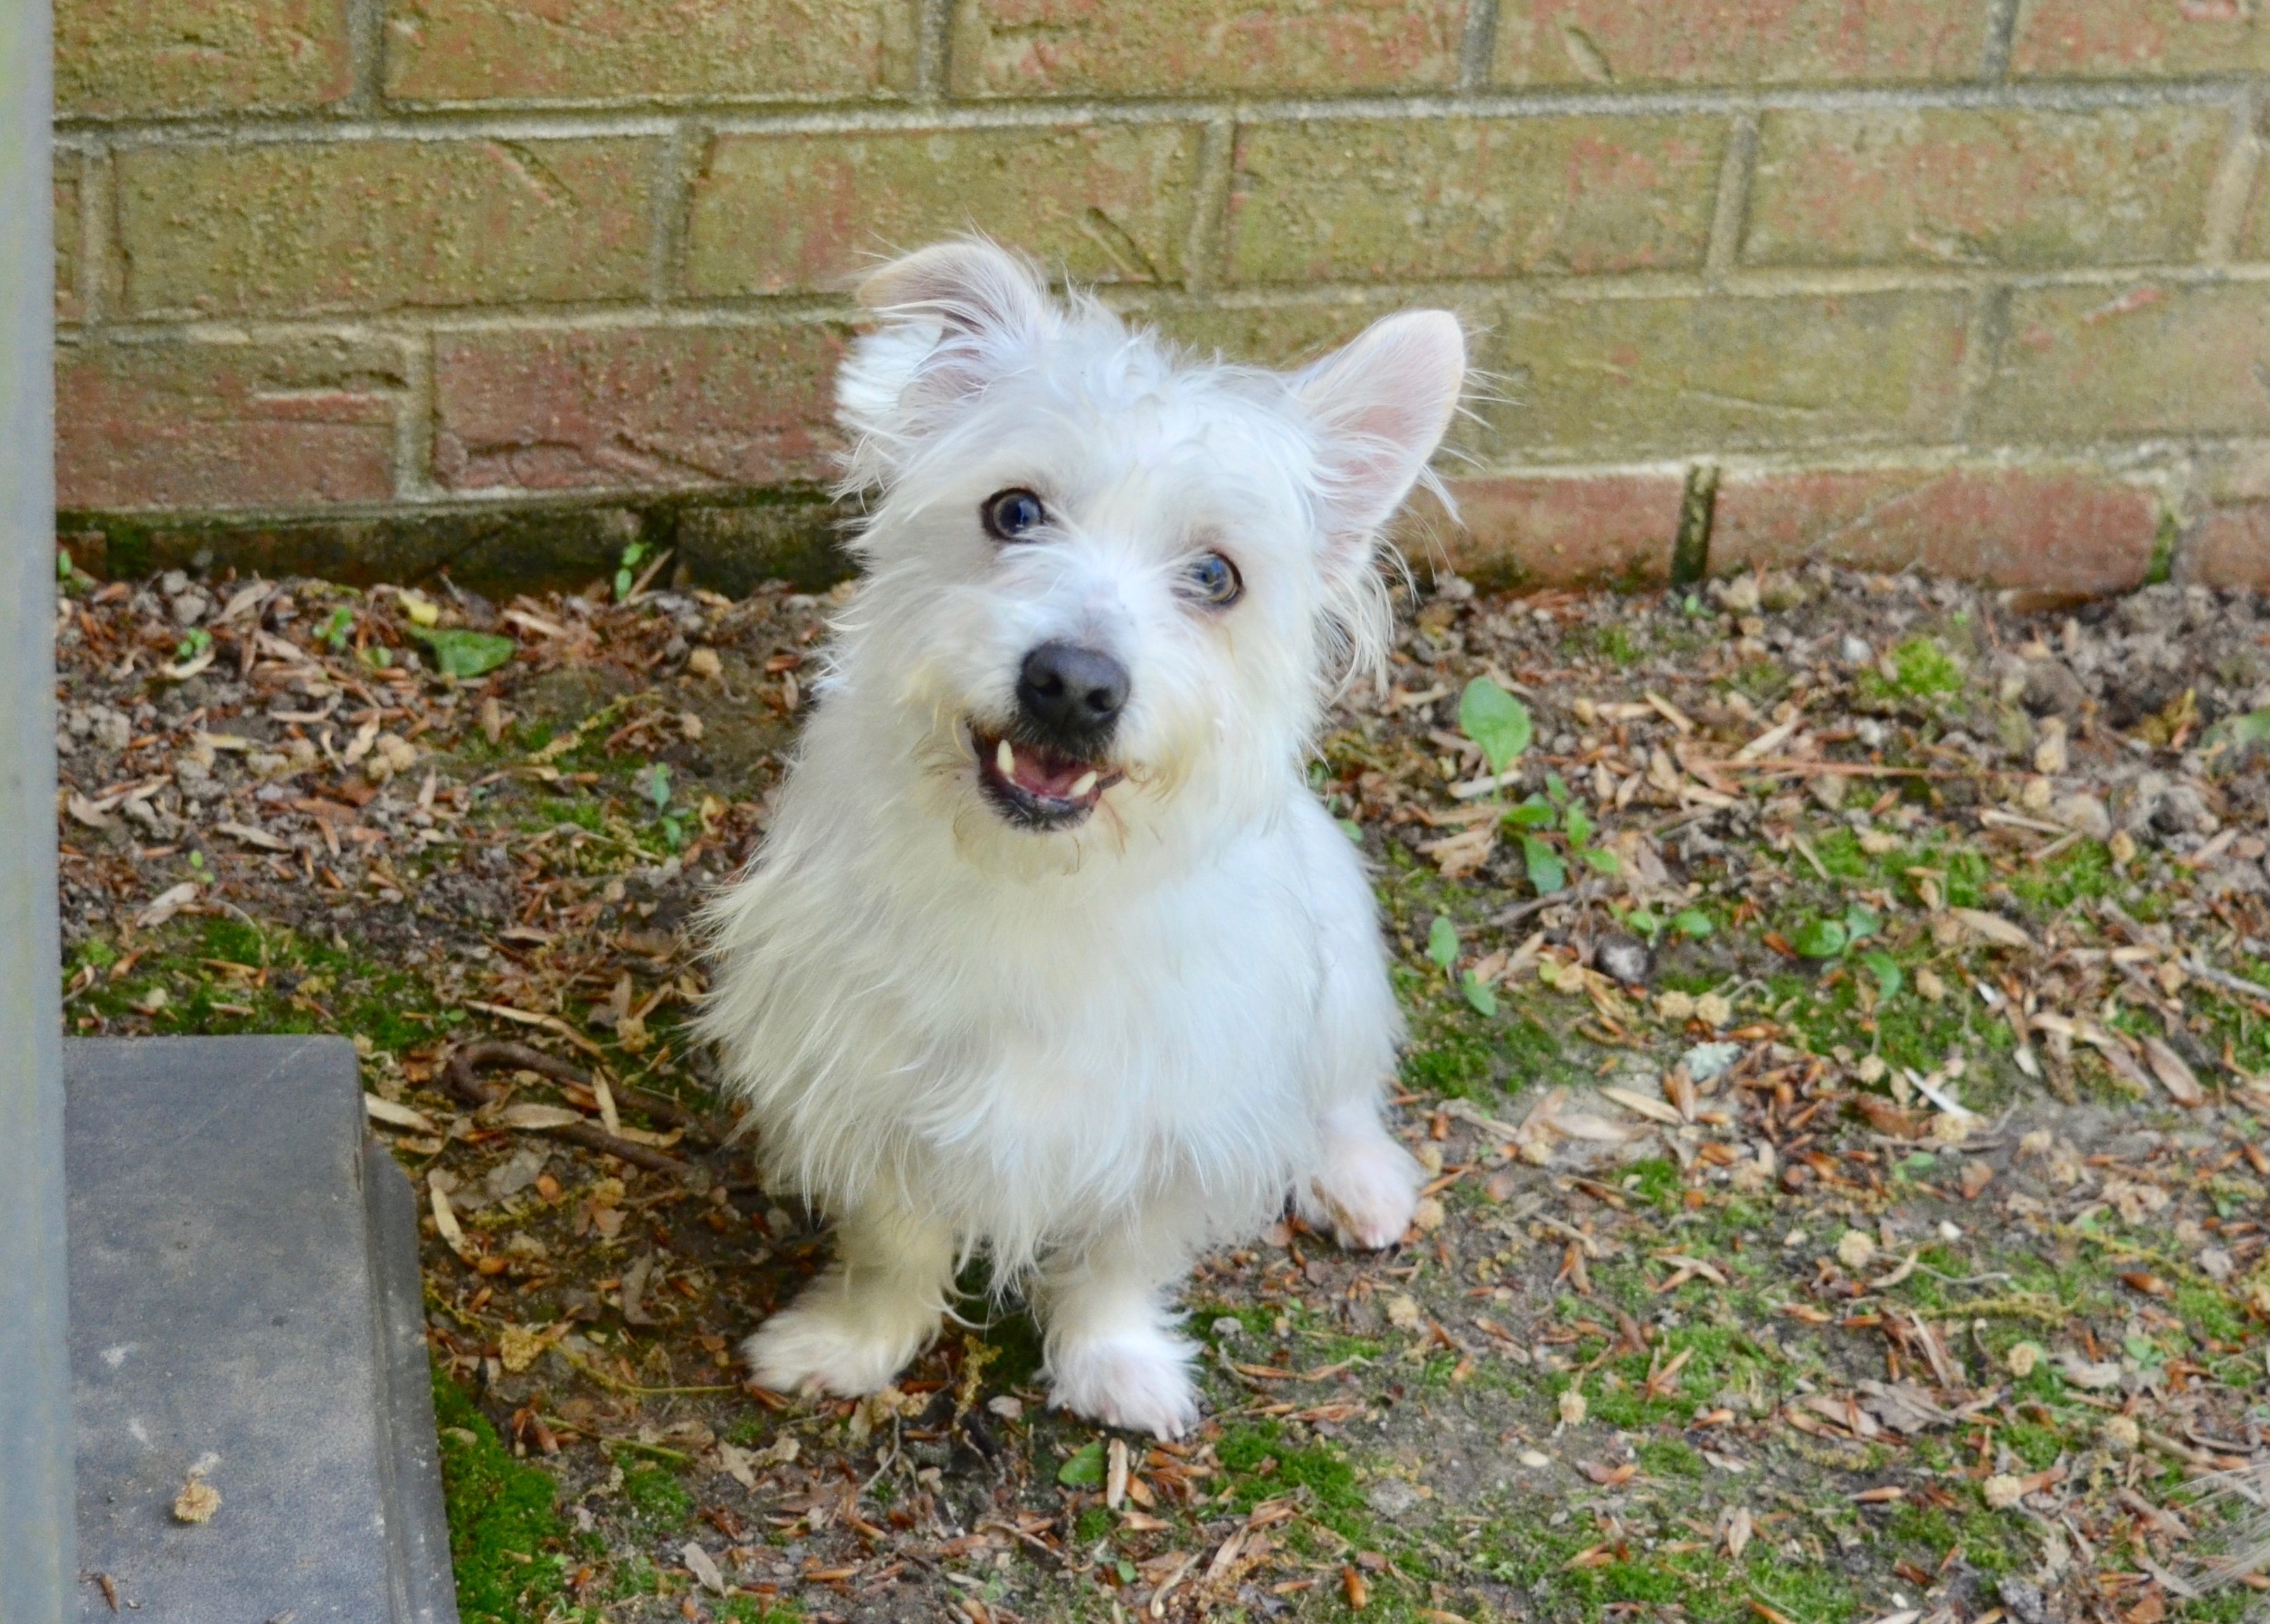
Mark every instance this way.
x=1380 y=406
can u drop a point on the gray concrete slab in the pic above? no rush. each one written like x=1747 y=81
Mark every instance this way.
x=245 y=1306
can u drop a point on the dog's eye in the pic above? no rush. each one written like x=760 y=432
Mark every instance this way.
x=1010 y=515
x=1212 y=580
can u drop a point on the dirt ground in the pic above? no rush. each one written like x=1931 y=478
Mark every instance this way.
x=1841 y=1046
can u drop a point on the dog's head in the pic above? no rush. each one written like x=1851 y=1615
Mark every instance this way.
x=1108 y=586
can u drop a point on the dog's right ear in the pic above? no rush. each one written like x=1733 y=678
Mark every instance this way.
x=953 y=317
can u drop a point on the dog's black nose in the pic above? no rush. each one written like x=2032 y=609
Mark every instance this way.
x=1073 y=694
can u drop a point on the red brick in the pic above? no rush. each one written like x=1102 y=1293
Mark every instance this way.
x=587 y=51
x=2230 y=548
x=789 y=213
x=2122 y=39
x=633 y=409
x=1551 y=529
x=215 y=427
x=287 y=229
x=2148 y=359
x=1375 y=199
x=127 y=58
x=1983 y=186
x=2066 y=530
x=1040 y=47
x=1736 y=42
x=1596 y=380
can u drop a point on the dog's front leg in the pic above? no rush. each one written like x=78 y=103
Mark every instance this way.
x=1112 y=1329
x=1366 y=1187
x=857 y=1325
x=1113 y=1353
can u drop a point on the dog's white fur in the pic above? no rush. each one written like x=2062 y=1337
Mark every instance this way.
x=1089 y=1052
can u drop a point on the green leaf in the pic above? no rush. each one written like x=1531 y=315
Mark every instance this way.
x=1601 y=859
x=461 y=653
x=1544 y=864
x=1085 y=1467
x=1478 y=993
x=1556 y=788
x=1494 y=720
x=1642 y=923
x=1692 y=922
x=193 y=645
x=1350 y=827
x=654 y=784
x=1578 y=826
x=1533 y=813
x=1823 y=938
x=1889 y=977
x=62 y=564
x=1860 y=924
x=1442 y=941
x=2238 y=732
x=336 y=627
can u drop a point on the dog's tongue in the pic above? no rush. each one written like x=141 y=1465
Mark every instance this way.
x=1059 y=778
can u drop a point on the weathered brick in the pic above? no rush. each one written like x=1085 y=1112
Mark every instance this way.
x=1027 y=47
x=785 y=213
x=1606 y=528
x=219 y=427
x=1982 y=186
x=375 y=224
x=2254 y=237
x=1333 y=200
x=480 y=50
x=2230 y=548
x=159 y=56
x=2064 y=530
x=633 y=408
x=2088 y=363
x=70 y=298
x=1736 y=42
x=1594 y=380
x=736 y=550
x=2121 y=39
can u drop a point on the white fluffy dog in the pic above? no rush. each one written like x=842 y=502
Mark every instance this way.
x=1052 y=952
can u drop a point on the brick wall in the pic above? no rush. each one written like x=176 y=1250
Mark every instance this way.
x=1978 y=285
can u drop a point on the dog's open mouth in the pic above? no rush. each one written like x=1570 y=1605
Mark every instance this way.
x=1037 y=788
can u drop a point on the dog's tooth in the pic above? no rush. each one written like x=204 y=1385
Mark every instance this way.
x=1004 y=760
x=1081 y=785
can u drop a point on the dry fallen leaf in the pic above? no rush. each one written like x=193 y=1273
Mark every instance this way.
x=1640 y=1105
x=537 y=1116
x=166 y=904
x=704 y=1568
x=1992 y=927
x=397 y=1116
x=2176 y=1077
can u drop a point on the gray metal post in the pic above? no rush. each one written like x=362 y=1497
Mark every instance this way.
x=38 y=1565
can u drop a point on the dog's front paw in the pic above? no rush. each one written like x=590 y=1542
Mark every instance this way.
x=1368 y=1188
x=1139 y=1380
x=812 y=1349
